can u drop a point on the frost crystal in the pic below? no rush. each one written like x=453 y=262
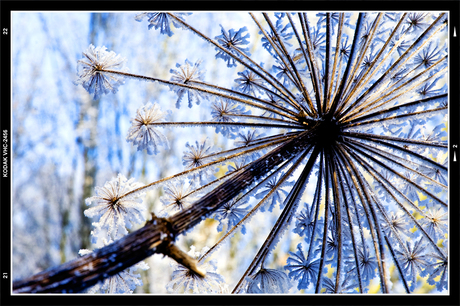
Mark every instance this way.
x=231 y=213
x=305 y=221
x=224 y=111
x=232 y=41
x=413 y=261
x=438 y=269
x=302 y=269
x=142 y=132
x=277 y=197
x=194 y=157
x=436 y=223
x=249 y=83
x=367 y=263
x=91 y=74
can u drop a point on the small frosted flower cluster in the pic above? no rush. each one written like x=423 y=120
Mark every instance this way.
x=232 y=41
x=268 y=281
x=186 y=281
x=303 y=269
x=162 y=21
x=91 y=71
x=195 y=157
x=187 y=74
x=115 y=211
x=231 y=213
x=224 y=111
x=142 y=132
x=176 y=198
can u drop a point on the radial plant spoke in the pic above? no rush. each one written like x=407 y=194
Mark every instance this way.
x=375 y=175
x=338 y=208
x=373 y=225
x=380 y=58
x=391 y=159
x=284 y=219
x=419 y=157
x=362 y=52
x=326 y=225
x=401 y=273
x=288 y=113
x=281 y=181
x=396 y=139
x=394 y=93
x=411 y=51
x=350 y=224
x=350 y=64
x=311 y=59
x=435 y=99
x=420 y=188
x=215 y=93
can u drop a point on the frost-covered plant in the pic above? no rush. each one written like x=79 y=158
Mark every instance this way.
x=345 y=110
x=91 y=73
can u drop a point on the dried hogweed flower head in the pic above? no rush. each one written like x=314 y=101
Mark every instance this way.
x=91 y=74
x=176 y=197
x=347 y=109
